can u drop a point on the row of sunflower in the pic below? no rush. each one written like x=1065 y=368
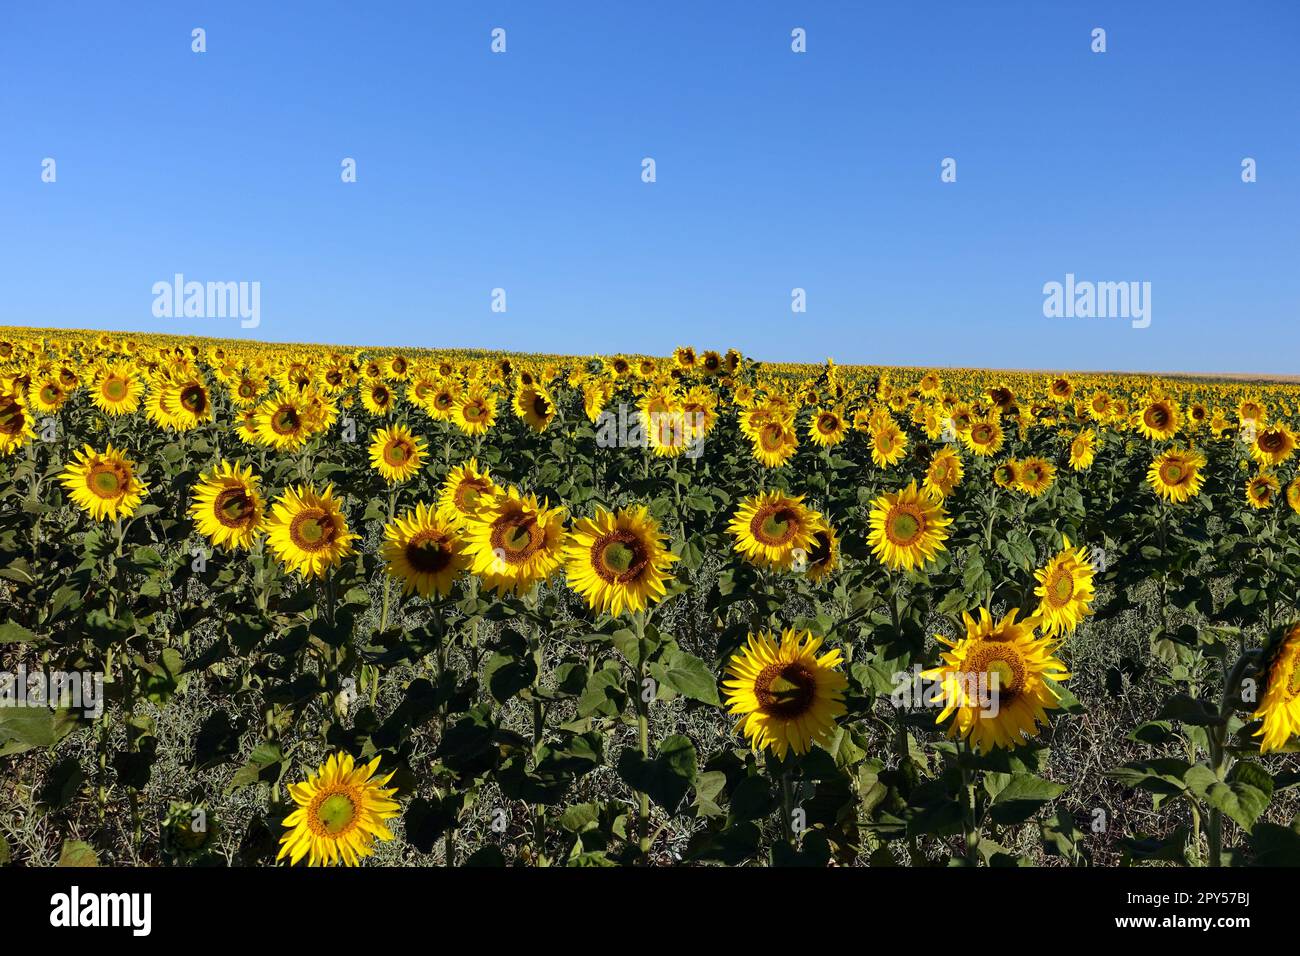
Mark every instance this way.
x=788 y=578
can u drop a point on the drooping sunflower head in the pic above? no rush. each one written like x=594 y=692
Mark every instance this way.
x=514 y=542
x=1262 y=491
x=104 y=485
x=1065 y=590
x=340 y=813
x=536 y=406
x=423 y=551
x=786 y=696
x=396 y=453
x=824 y=556
x=1279 y=708
x=1083 y=450
x=465 y=492
x=227 y=506
x=908 y=528
x=16 y=427
x=1176 y=474
x=308 y=531
x=618 y=562
x=773 y=529
x=995 y=682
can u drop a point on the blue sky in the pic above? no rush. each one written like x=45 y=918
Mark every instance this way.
x=775 y=170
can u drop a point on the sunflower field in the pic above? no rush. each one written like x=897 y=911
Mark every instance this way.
x=306 y=605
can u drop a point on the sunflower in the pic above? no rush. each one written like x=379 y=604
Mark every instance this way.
x=944 y=473
x=1293 y=495
x=1083 y=450
x=378 y=398
x=476 y=411
x=1065 y=587
x=514 y=542
x=282 y=423
x=341 y=812
x=667 y=433
x=1272 y=446
x=1176 y=475
x=786 y=696
x=887 y=444
x=117 y=389
x=826 y=427
x=775 y=442
x=227 y=506
x=104 y=485
x=774 y=530
x=423 y=551
x=908 y=528
x=983 y=437
x=187 y=403
x=16 y=428
x=1262 y=490
x=536 y=406
x=47 y=395
x=308 y=531
x=465 y=491
x=1159 y=419
x=396 y=453
x=1036 y=476
x=824 y=555
x=618 y=561
x=1280 y=707
x=995 y=681
x=1007 y=473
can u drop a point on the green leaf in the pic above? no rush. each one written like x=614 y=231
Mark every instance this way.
x=667 y=777
x=75 y=853
x=1244 y=796
x=1021 y=798
x=11 y=632
x=690 y=677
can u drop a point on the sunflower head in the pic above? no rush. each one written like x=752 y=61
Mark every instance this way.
x=396 y=453
x=340 y=812
x=619 y=561
x=515 y=542
x=908 y=528
x=228 y=506
x=1065 y=590
x=103 y=484
x=786 y=695
x=308 y=531
x=996 y=681
x=423 y=551
x=773 y=529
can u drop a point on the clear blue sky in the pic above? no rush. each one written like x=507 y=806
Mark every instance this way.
x=775 y=170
